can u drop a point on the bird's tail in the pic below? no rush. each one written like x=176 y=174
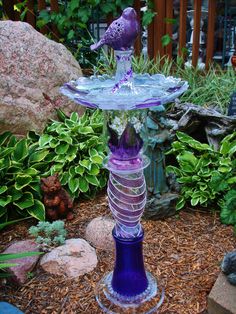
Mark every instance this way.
x=97 y=45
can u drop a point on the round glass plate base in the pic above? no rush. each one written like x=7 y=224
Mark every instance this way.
x=114 y=303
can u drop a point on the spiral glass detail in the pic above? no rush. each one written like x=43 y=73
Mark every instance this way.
x=127 y=199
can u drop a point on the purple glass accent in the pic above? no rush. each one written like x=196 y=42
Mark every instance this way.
x=128 y=182
x=173 y=89
x=148 y=104
x=129 y=277
x=121 y=33
x=129 y=144
x=74 y=89
x=126 y=212
x=126 y=198
x=86 y=103
x=125 y=165
x=128 y=75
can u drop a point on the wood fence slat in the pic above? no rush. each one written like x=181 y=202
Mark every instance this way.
x=159 y=27
x=182 y=26
x=150 y=40
x=169 y=26
x=55 y=8
x=16 y=13
x=109 y=19
x=196 y=31
x=210 y=31
x=30 y=16
x=137 y=44
x=42 y=6
x=8 y=9
x=54 y=5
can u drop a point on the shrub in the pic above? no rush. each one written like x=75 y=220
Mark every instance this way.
x=49 y=235
x=76 y=151
x=205 y=174
x=19 y=188
x=228 y=208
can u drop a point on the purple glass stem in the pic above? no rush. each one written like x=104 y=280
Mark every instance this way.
x=129 y=277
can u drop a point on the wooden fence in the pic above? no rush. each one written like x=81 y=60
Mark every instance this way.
x=156 y=30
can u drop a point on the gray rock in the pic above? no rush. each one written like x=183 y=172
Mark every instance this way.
x=32 y=68
x=161 y=206
x=222 y=298
x=25 y=264
x=228 y=267
x=99 y=233
x=73 y=259
x=201 y=123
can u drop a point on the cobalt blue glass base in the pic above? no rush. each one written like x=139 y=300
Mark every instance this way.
x=129 y=288
x=129 y=277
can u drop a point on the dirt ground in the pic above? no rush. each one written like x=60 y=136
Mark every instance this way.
x=184 y=252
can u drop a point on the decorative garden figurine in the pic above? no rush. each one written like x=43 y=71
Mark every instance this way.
x=57 y=201
x=159 y=140
x=161 y=199
x=123 y=98
x=122 y=32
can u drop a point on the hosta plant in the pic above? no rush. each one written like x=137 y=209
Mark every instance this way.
x=204 y=174
x=76 y=151
x=228 y=207
x=19 y=178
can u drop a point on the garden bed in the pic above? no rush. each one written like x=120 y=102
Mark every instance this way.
x=183 y=251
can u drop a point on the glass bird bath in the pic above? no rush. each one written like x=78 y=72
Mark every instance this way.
x=124 y=98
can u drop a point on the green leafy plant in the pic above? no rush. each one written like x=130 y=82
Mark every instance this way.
x=49 y=235
x=19 y=188
x=204 y=174
x=75 y=149
x=228 y=207
x=149 y=13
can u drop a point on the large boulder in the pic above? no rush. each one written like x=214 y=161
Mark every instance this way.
x=32 y=68
x=73 y=259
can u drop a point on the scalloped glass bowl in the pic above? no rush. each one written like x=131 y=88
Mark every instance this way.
x=143 y=91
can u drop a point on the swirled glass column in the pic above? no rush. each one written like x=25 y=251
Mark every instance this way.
x=128 y=286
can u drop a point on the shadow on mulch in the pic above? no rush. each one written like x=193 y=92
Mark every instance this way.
x=184 y=252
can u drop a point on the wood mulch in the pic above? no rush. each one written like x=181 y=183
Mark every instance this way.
x=184 y=252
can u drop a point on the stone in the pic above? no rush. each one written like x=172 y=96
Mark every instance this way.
x=222 y=298
x=7 y=308
x=160 y=206
x=73 y=259
x=99 y=233
x=32 y=68
x=25 y=264
x=203 y=124
x=228 y=264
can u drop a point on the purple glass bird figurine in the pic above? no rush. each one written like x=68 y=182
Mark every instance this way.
x=121 y=33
